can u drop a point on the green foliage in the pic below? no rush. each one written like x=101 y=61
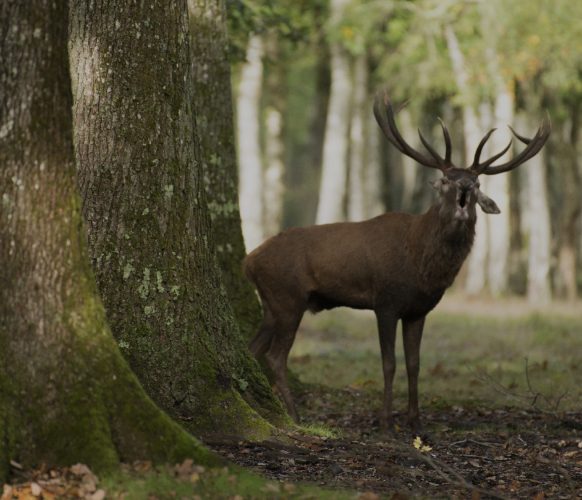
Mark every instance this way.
x=290 y=20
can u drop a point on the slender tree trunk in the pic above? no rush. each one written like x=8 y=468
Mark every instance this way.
x=332 y=188
x=214 y=121
x=274 y=171
x=358 y=156
x=498 y=185
x=274 y=144
x=373 y=178
x=538 y=225
x=570 y=209
x=149 y=226
x=66 y=394
x=477 y=260
x=498 y=189
x=410 y=168
x=250 y=160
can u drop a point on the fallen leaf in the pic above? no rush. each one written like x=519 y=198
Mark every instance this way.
x=98 y=495
x=35 y=489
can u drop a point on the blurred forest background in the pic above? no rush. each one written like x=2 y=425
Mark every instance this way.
x=305 y=75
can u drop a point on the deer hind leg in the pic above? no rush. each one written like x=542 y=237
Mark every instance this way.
x=262 y=340
x=285 y=328
x=412 y=335
x=387 y=322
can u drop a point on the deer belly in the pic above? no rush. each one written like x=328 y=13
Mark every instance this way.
x=419 y=303
x=318 y=301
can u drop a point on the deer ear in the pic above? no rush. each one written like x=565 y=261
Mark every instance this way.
x=487 y=204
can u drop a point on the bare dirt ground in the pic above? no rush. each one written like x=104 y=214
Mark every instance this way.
x=497 y=425
x=477 y=453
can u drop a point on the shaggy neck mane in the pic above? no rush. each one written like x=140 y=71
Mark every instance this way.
x=446 y=244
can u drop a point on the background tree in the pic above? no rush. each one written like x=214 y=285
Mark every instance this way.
x=149 y=227
x=66 y=394
x=249 y=145
x=334 y=167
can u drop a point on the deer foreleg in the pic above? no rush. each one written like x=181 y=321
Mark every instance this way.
x=387 y=322
x=412 y=335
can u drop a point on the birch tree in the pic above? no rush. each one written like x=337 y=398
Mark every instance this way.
x=477 y=260
x=248 y=121
x=332 y=190
x=358 y=154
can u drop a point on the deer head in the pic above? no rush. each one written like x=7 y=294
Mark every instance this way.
x=459 y=187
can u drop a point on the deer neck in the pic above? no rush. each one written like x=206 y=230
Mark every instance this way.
x=445 y=245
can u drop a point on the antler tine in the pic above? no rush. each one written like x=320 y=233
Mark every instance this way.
x=384 y=113
x=481 y=167
x=448 y=146
x=479 y=149
x=534 y=145
x=430 y=149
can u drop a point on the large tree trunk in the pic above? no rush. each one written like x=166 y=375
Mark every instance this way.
x=149 y=227
x=249 y=147
x=332 y=189
x=477 y=260
x=214 y=121
x=66 y=394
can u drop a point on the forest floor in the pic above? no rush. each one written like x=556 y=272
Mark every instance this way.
x=501 y=404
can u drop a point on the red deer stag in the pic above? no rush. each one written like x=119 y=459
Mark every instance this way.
x=397 y=264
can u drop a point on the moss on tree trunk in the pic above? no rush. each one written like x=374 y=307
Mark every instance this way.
x=149 y=227
x=66 y=394
x=213 y=111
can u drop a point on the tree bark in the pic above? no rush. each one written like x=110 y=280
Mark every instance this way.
x=498 y=190
x=213 y=108
x=569 y=217
x=149 y=227
x=373 y=178
x=537 y=214
x=250 y=159
x=274 y=187
x=498 y=185
x=66 y=394
x=332 y=188
x=356 y=194
x=477 y=260
x=408 y=165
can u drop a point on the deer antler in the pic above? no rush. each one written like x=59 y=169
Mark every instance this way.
x=384 y=113
x=534 y=145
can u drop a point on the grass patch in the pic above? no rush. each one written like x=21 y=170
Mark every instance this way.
x=320 y=430
x=165 y=482
x=466 y=359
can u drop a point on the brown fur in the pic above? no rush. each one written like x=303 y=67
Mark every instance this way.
x=396 y=264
